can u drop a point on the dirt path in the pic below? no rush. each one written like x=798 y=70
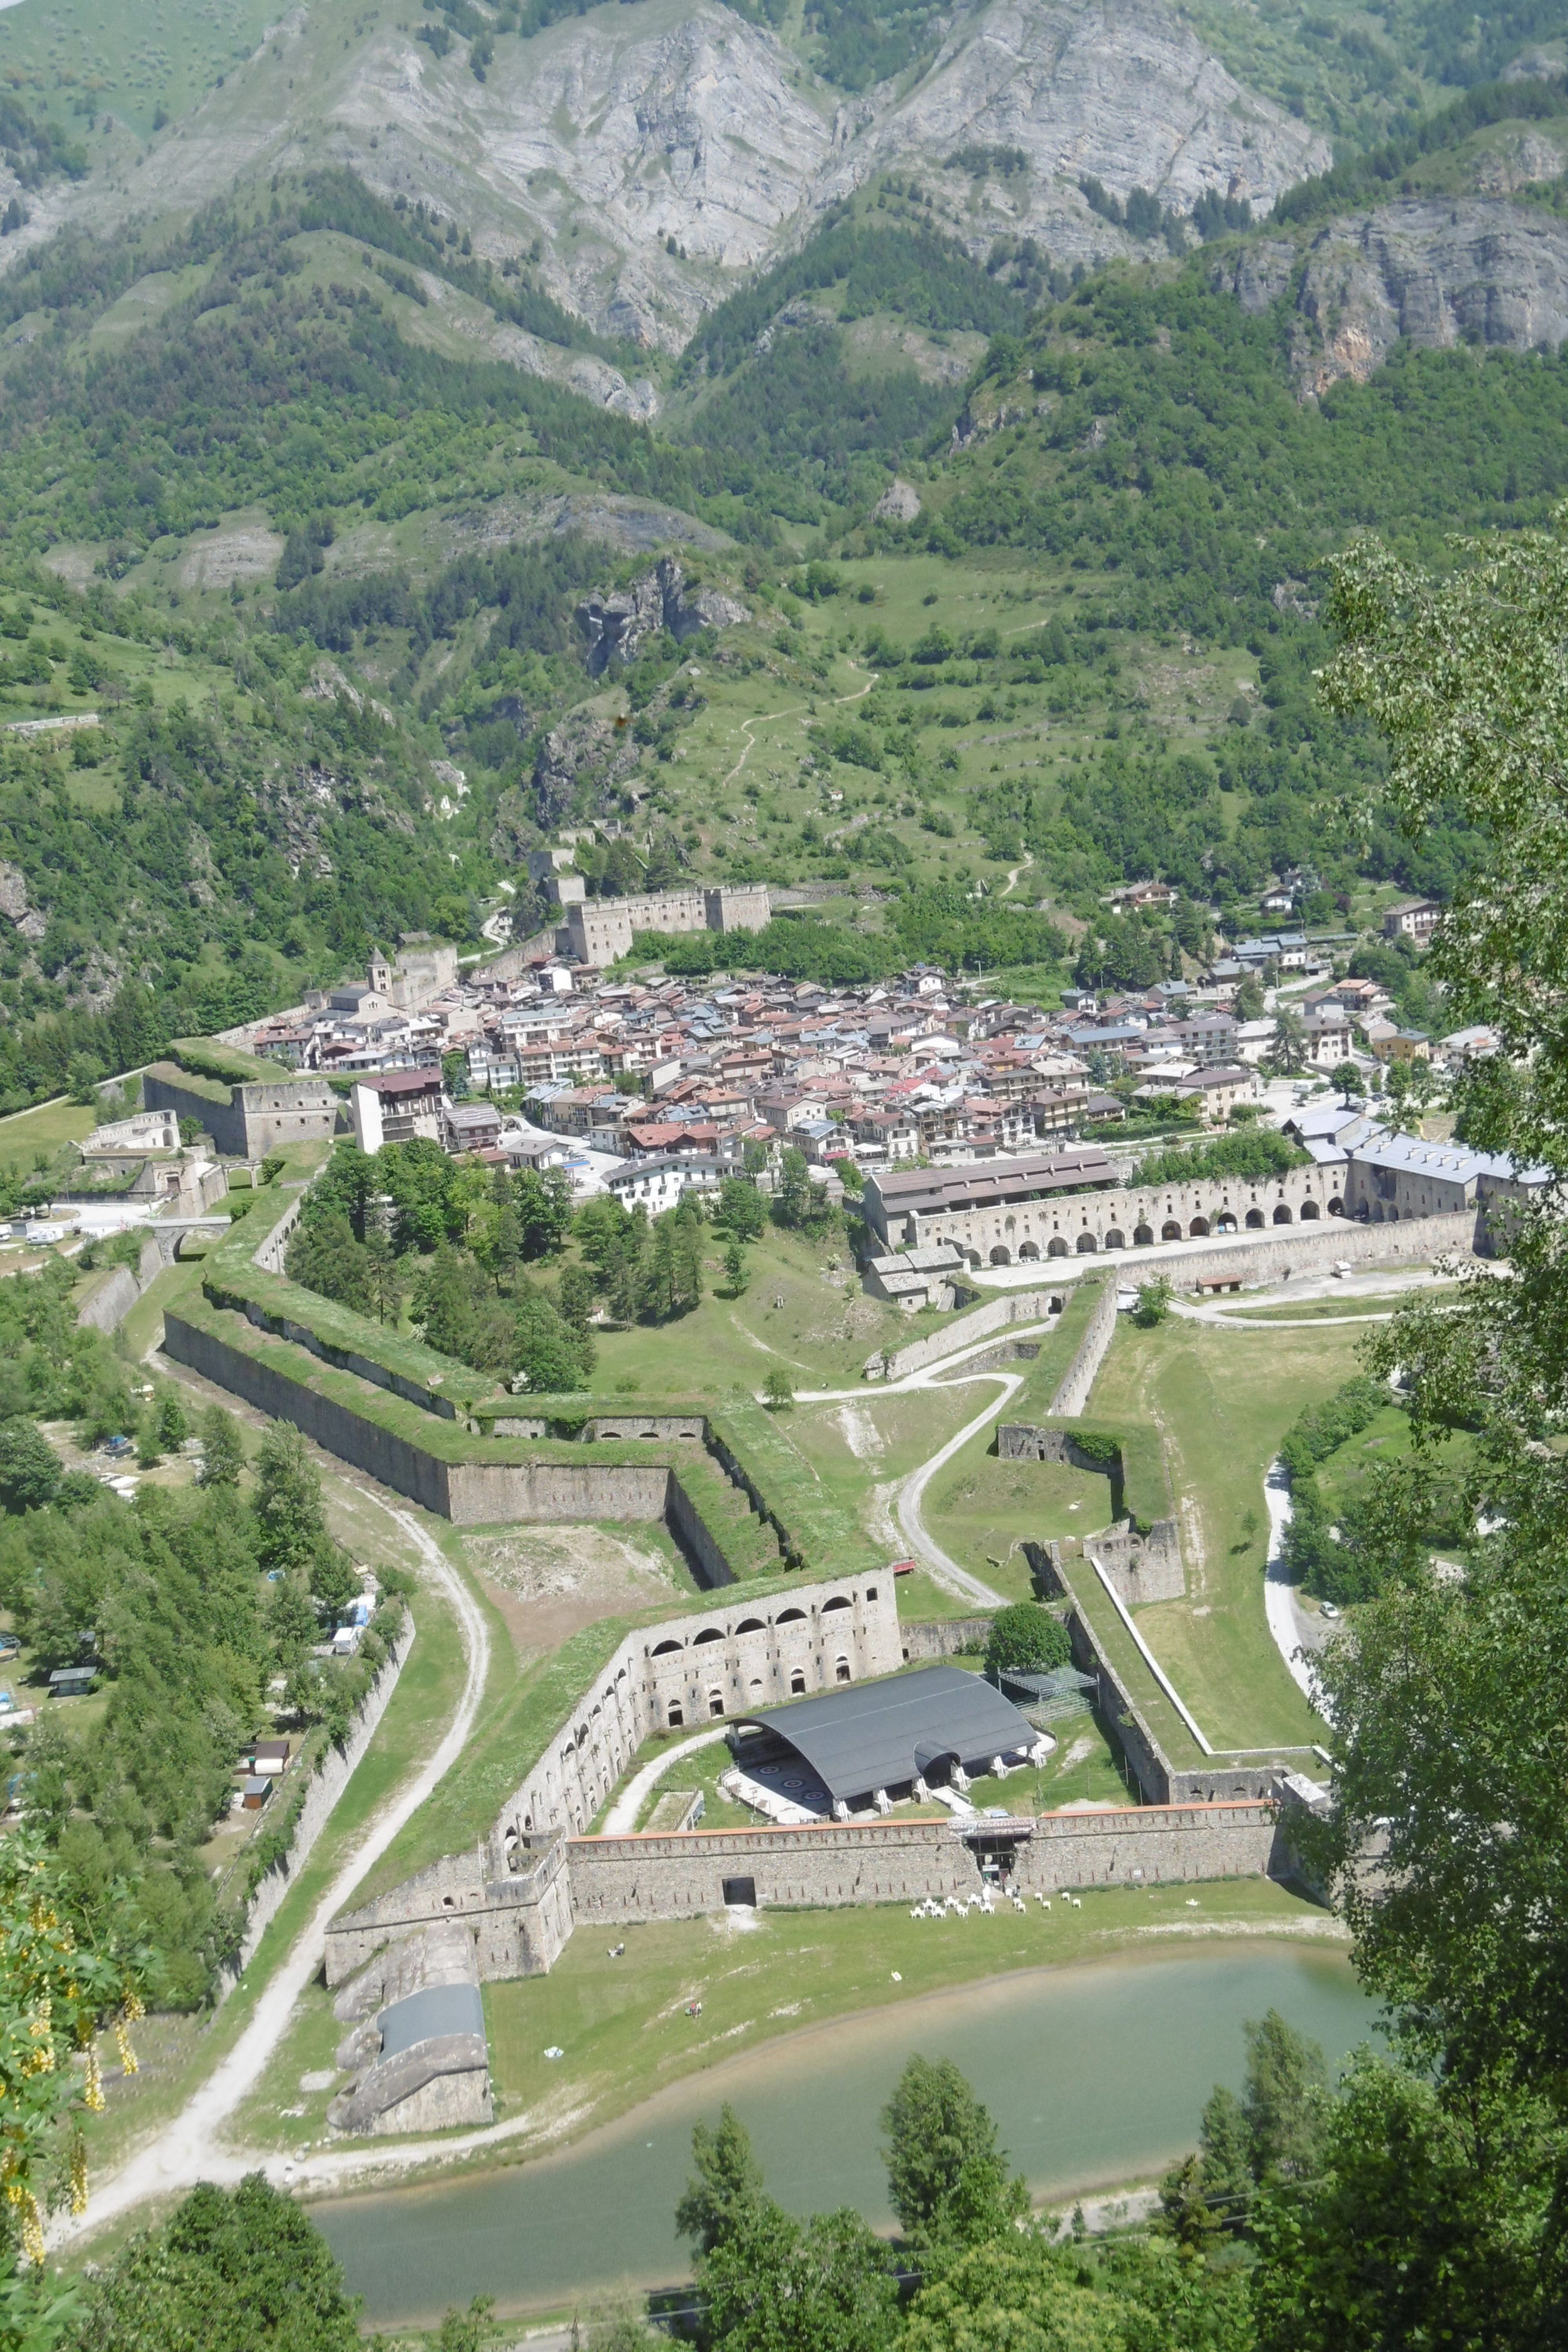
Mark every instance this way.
x=1013 y=874
x=792 y=711
x=191 y=2147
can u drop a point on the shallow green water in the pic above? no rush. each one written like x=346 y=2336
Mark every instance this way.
x=1095 y=2074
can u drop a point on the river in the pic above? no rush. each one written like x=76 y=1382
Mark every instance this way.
x=1095 y=2074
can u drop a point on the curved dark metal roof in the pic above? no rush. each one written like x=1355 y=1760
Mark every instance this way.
x=879 y=1735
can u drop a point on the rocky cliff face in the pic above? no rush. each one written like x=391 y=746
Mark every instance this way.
x=616 y=626
x=658 y=151
x=1436 y=271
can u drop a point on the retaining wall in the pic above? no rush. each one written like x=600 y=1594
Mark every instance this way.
x=1262 y=1258
x=945 y=1637
x=326 y=1788
x=406 y=1468
x=1078 y=1379
x=1015 y=1306
x=112 y=1300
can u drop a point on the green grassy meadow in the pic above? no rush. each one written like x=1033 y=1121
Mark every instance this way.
x=1223 y=1401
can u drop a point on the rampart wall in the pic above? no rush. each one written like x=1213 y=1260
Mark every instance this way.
x=111 y=1302
x=616 y=1881
x=1072 y=1395
x=406 y=1468
x=1014 y=1307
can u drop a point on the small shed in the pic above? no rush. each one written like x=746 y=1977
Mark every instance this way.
x=270 y=1756
x=72 y=1682
x=256 y=1791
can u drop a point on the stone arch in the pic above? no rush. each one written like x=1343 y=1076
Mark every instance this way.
x=1282 y=1214
x=841 y=1673
x=667 y=1649
x=756 y=1686
x=1336 y=1207
x=1393 y=1216
x=974 y=1261
x=1028 y=1252
x=1000 y=1256
x=797 y=1683
x=1226 y=1221
x=1056 y=1247
x=709 y=1634
x=1199 y=1229
x=715 y=1702
x=750 y=1625
x=1255 y=1217
x=675 y=1714
x=1009 y=1225
x=1142 y=1236
x=791 y=1617
x=1171 y=1230
x=837 y=1602
x=1086 y=1245
x=1310 y=1212
x=1116 y=1238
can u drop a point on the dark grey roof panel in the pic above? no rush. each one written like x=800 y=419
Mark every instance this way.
x=879 y=1735
x=439 y=2008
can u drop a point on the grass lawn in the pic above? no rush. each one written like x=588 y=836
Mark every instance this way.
x=1320 y=1310
x=863 y=1449
x=803 y=1312
x=29 y=1136
x=1223 y=1401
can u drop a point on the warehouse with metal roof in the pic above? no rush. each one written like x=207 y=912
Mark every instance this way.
x=879 y=1739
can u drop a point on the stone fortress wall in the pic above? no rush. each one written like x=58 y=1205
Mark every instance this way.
x=618 y=1881
x=1083 y=1224
x=685 y=1673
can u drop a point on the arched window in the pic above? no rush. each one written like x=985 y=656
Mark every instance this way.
x=837 y=1602
x=1056 y=1247
x=1142 y=1236
x=1116 y=1238
x=1255 y=1217
x=841 y=1670
x=666 y=1649
x=999 y=1256
x=1199 y=1229
x=1086 y=1245
x=1310 y=1212
x=750 y=1625
x=797 y=1685
x=1170 y=1231
x=1282 y=1214
x=715 y=1702
x=674 y=1717
x=791 y=1617
x=709 y=1634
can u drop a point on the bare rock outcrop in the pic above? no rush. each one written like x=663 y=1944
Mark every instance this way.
x=585 y=750
x=618 y=625
x=900 y=502
x=1438 y=272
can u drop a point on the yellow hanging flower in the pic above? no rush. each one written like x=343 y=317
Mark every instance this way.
x=93 y=2092
x=79 y=2175
x=32 y=2221
x=122 y=2043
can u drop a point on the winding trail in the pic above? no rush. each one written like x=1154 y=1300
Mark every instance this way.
x=191 y=2147
x=1013 y=874
x=621 y=1817
x=790 y=710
